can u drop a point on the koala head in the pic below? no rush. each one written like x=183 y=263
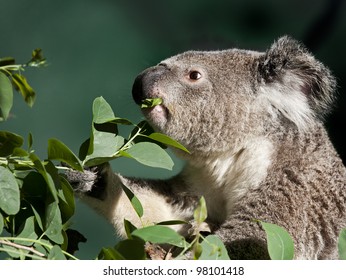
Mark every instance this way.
x=215 y=99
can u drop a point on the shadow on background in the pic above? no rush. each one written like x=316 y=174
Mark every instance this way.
x=98 y=47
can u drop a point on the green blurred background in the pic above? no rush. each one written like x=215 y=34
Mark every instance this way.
x=98 y=47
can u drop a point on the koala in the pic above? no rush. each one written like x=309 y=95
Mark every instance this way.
x=253 y=123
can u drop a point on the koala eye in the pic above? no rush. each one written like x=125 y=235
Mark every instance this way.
x=195 y=75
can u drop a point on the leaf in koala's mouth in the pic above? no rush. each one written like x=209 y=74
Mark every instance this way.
x=151 y=102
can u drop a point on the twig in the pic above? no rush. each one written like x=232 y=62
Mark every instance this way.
x=18 y=246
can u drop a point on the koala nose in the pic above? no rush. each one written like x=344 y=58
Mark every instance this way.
x=145 y=83
x=137 y=90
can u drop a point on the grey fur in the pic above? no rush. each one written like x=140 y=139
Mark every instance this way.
x=259 y=150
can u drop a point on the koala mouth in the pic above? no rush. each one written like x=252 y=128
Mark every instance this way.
x=157 y=114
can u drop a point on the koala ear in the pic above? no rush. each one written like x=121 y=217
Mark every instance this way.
x=288 y=67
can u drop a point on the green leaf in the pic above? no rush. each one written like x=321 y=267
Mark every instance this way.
x=37 y=58
x=104 y=146
x=151 y=102
x=83 y=149
x=19 y=152
x=25 y=89
x=213 y=249
x=172 y=222
x=149 y=154
x=37 y=217
x=28 y=232
x=66 y=200
x=279 y=242
x=136 y=204
x=30 y=141
x=9 y=192
x=47 y=177
x=56 y=253
x=1 y=223
x=129 y=228
x=131 y=249
x=102 y=111
x=342 y=245
x=110 y=254
x=197 y=250
x=8 y=142
x=59 y=151
x=53 y=223
x=200 y=214
x=160 y=234
x=6 y=96
x=162 y=138
x=6 y=61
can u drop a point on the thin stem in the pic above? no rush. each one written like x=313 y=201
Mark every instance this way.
x=12 y=67
x=23 y=253
x=18 y=246
x=128 y=143
x=37 y=241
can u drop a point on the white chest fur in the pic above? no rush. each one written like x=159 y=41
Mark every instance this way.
x=225 y=178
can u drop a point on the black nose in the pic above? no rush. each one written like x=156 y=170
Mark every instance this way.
x=137 y=90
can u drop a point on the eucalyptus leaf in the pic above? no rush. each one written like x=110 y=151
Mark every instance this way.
x=103 y=148
x=83 y=149
x=172 y=222
x=64 y=245
x=8 y=142
x=149 y=154
x=25 y=89
x=53 y=223
x=342 y=245
x=1 y=223
x=40 y=248
x=6 y=61
x=6 y=96
x=56 y=253
x=161 y=235
x=28 y=232
x=96 y=161
x=151 y=102
x=59 y=151
x=136 y=204
x=213 y=249
x=131 y=249
x=9 y=192
x=102 y=111
x=129 y=228
x=279 y=242
x=47 y=177
x=30 y=141
x=66 y=200
x=37 y=217
x=162 y=138
x=37 y=58
x=197 y=250
x=110 y=254
x=200 y=214
x=19 y=152
x=123 y=121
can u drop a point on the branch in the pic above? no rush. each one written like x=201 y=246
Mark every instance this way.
x=18 y=246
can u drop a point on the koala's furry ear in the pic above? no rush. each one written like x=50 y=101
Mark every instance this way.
x=289 y=64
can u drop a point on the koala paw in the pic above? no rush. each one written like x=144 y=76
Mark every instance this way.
x=82 y=181
x=92 y=181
